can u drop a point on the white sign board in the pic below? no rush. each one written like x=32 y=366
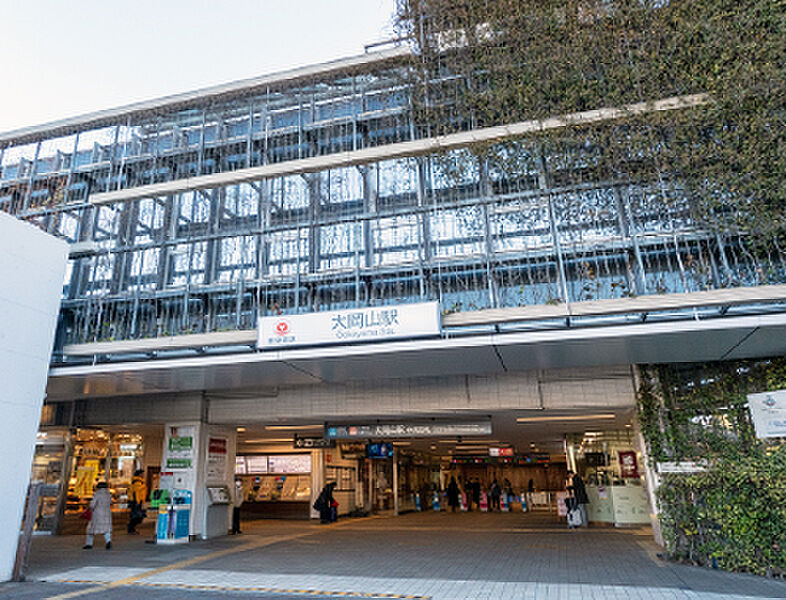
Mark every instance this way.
x=681 y=467
x=350 y=325
x=768 y=411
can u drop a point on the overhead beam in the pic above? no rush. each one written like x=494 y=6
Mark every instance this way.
x=398 y=150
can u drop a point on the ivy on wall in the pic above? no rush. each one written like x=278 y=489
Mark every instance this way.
x=479 y=63
x=733 y=514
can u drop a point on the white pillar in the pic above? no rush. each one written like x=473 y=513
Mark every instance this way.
x=317 y=478
x=32 y=267
x=650 y=478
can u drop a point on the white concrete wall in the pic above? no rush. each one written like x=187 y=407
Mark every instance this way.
x=32 y=267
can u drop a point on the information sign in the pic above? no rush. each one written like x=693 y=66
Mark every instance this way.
x=681 y=467
x=408 y=430
x=500 y=452
x=768 y=411
x=313 y=442
x=256 y=465
x=351 y=325
x=289 y=463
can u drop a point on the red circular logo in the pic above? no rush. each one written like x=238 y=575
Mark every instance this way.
x=282 y=328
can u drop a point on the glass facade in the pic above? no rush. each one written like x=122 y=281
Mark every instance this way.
x=533 y=226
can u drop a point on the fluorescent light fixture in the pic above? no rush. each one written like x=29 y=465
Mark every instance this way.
x=270 y=441
x=402 y=443
x=296 y=427
x=566 y=418
x=241 y=429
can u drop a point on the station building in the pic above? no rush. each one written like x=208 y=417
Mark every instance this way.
x=289 y=280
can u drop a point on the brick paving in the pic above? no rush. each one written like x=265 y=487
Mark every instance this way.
x=442 y=556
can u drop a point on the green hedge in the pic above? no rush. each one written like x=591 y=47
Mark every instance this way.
x=733 y=515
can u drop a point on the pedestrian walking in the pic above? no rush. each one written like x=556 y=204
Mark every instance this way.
x=137 y=494
x=575 y=487
x=100 y=517
x=237 y=502
x=476 y=492
x=453 y=494
x=324 y=503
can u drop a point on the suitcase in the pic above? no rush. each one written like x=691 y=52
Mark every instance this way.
x=574 y=514
x=574 y=518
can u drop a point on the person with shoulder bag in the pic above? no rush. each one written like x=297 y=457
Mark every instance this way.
x=137 y=494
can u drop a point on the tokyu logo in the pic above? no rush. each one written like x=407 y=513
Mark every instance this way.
x=282 y=327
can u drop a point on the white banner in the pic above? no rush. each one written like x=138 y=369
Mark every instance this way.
x=350 y=325
x=768 y=411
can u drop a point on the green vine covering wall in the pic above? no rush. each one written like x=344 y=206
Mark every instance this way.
x=516 y=60
x=482 y=63
x=733 y=514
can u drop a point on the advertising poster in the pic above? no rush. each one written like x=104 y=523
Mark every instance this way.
x=180 y=448
x=216 y=458
x=629 y=466
x=84 y=481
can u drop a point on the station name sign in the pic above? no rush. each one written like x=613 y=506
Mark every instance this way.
x=407 y=430
x=351 y=325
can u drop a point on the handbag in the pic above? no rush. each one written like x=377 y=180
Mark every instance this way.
x=86 y=514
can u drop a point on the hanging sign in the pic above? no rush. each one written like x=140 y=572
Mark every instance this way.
x=768 y=411
x=408 y=430
x=352 y=325
x=313 y=442
x=629 y=466
x=500 y=452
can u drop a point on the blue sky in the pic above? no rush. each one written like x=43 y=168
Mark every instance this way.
x=62 y=58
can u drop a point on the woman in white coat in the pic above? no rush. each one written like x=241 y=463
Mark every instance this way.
x=101 y=517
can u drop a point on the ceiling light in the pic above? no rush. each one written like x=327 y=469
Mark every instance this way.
x=285 y=427
x=565 y=418
x=241 y=429
x=402 y=443
x=268 y=441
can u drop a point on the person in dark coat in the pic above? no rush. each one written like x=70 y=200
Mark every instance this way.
x=578 y=491
x=324 y=502
x=495 y=493
x=453 y=494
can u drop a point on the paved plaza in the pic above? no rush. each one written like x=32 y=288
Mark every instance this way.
x=438 y=556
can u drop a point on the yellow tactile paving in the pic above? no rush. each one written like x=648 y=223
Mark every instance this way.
x=264 y=590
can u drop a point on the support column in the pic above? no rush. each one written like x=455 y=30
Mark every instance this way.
x=370 y=485
x=317 y=479
x=651 y=478
x=200 y=455
x=395 y=481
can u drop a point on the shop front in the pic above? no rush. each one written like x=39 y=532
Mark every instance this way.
x=275 y=485
x=611 y=467
x=75 y=461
